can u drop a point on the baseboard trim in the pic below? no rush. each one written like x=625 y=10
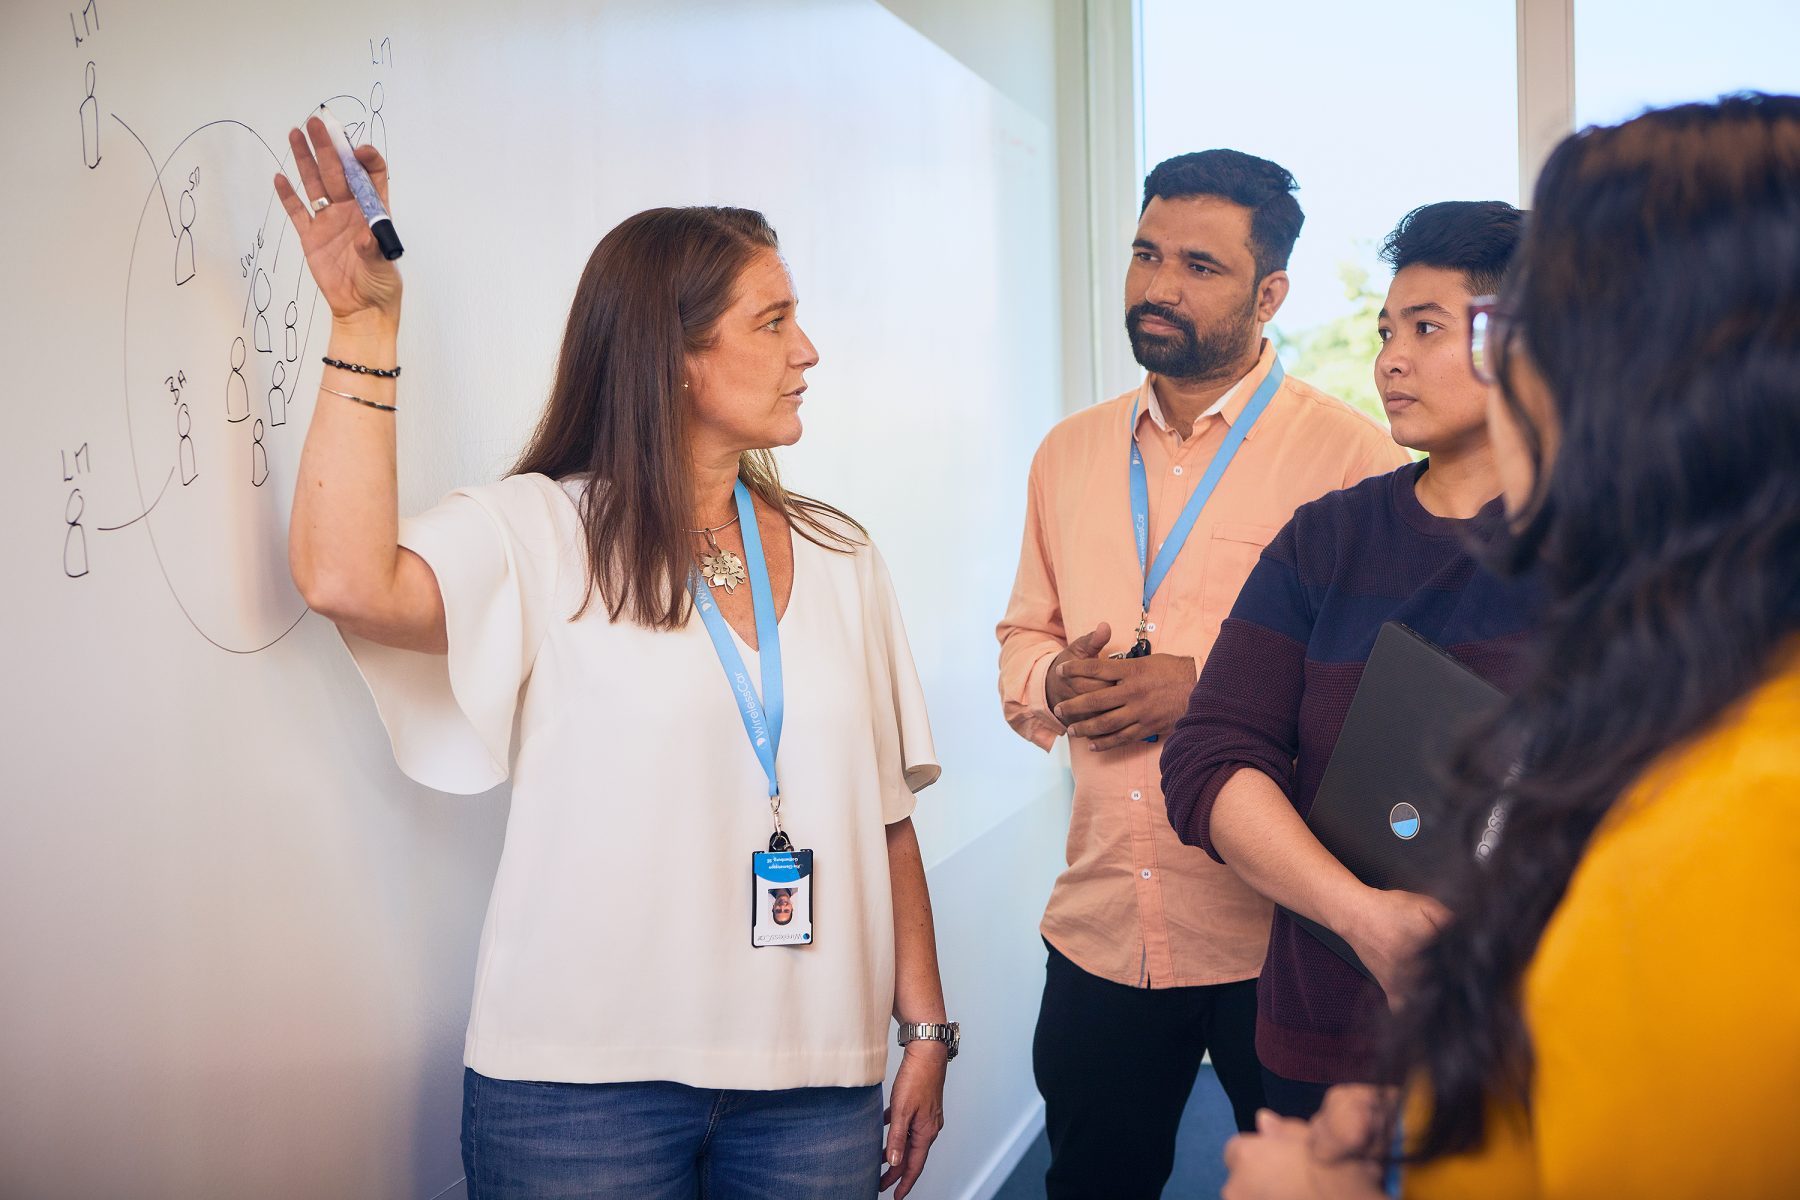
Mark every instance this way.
x=1001 y=1166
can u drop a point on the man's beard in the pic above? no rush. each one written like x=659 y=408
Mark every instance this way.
x=1187 y=354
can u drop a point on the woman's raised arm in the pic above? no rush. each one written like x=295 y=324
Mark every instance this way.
x=343 y=545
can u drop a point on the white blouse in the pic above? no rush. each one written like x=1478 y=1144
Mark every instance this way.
x=617 y=940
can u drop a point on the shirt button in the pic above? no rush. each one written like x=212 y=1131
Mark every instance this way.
x=1178 y=470
x=1145 y=872
x=1150 y=627
x=1137 y=795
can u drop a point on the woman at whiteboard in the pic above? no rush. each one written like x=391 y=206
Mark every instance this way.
x=701 y=689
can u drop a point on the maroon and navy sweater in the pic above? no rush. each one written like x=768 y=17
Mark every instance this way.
x=1273 y=695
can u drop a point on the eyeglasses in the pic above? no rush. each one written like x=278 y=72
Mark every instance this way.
x=1488 y=329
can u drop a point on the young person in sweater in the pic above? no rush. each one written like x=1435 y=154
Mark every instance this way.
x=1240 y=771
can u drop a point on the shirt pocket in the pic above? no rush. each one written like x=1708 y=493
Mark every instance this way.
x=1231 y=555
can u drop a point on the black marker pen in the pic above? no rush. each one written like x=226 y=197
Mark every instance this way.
x=380 y=224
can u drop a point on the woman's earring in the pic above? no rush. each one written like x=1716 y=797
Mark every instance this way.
x=684 y=385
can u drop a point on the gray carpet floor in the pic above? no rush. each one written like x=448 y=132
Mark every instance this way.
x=1205 y=1125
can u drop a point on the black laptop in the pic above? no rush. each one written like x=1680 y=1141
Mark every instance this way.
x=1380 y=807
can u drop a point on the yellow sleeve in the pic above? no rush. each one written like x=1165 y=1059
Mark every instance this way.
x=1664 y=1002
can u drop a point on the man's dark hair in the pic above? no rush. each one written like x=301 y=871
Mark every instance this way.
x=1263 y=187
x=1476 y=237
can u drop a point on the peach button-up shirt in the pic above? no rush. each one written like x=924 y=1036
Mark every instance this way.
x=1134 y=905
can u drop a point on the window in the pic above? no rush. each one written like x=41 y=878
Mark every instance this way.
x=1636 y=54
x=1375 y=109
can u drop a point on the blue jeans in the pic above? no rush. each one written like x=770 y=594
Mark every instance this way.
x=668 y=1141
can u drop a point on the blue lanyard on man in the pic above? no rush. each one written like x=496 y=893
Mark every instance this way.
x=762 y=717
x=1155 y=572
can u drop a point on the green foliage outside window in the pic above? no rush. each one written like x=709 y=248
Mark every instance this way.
x=1338 y=357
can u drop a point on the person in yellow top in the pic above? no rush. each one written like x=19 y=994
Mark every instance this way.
x=1614 y=1009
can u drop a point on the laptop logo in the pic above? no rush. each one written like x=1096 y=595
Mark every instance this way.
x=1403 y=819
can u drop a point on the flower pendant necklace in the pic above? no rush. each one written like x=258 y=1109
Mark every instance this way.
x=720 y=567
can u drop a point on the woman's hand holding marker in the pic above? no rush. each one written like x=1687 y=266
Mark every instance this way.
x=357 y=280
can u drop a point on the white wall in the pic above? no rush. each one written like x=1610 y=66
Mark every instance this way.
x=239 y=943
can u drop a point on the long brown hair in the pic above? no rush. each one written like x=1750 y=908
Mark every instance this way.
x=651 y=295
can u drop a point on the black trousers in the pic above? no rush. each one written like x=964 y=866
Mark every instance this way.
x=1115 y=1065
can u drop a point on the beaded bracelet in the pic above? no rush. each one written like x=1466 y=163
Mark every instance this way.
x=359 y=368
x=359 y=399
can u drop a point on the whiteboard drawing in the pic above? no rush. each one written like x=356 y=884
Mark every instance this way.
x=75 y=560
x=220 y=536
x=259 y=456
x=184 y=241
x=376 y=134
x=184 y=429
x=90 y=124
x=260 y=291
x=237 y=391
x=277 y=394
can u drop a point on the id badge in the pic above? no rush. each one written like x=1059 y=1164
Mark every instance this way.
x=781 y=898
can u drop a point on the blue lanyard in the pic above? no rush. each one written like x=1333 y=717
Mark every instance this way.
x=762 y=718
x=1184 y=525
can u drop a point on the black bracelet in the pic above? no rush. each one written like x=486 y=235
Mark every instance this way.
x=359 y=368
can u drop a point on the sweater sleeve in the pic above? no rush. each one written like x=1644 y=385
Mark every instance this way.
x=1245 y=708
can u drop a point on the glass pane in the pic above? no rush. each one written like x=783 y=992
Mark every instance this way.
x=1637 y=54
x=1375 y=109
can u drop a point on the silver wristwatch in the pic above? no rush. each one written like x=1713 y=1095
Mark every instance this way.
x=949 y=1033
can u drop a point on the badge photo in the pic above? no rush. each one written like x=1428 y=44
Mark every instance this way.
x=781 y=898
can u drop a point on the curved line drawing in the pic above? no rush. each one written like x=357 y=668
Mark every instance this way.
x=167 y=212
x=125 y=326
x=167 y=479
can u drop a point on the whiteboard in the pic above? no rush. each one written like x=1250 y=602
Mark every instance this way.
x=238 y=944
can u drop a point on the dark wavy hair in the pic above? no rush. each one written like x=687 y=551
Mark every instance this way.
x=652 y=294
x=1658 y=296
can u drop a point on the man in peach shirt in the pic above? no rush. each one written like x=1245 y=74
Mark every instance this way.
x=1155 y=948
